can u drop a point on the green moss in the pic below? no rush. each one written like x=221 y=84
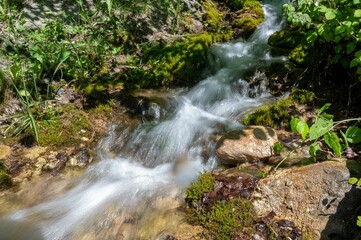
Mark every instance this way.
x=212 y=15
x=178 y=63
x=64 y=130
x=286 y=39
x=5 y=180
x=280 y=113
x=205 y=183
x=225 y=218
x=249 y=18
x=301 y=55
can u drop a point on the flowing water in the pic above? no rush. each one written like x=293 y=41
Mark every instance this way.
x=161 y=157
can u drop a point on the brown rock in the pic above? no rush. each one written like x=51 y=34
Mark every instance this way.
x=4 y=151
x=317 y=198
x=252 y=143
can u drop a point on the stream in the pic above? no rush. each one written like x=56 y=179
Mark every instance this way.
x=120 y=196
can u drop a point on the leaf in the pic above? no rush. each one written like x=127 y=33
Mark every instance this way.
x=320 y=128
x=330 y=15
x=277 y=148
x=357 y=13
x=323 y=108
x=356 y=1
x=293 y=124
x=358 y=221
x=24 y=93
x=353 y=134
x=350 y=47
x=311 y=37
x=358 y=183
x=314 y=147
x=302 y=129
x=333 y=142
x=352 y=180
x=344 y=138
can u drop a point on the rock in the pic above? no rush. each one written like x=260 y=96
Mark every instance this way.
x=34 y=152
x=316 y=197
x=4 y=151
x=252 y=143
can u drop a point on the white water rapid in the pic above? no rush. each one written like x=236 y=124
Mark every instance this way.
x=162 y=156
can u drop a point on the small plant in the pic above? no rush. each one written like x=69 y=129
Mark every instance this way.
x=5 y=179
x=324 y=127
x=205 y=183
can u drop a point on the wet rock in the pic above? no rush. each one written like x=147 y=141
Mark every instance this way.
x=57 y=162
x=250 y=144
x=81 y=158
x=317 y=197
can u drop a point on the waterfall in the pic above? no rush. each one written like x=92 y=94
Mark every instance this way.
x=161 y=157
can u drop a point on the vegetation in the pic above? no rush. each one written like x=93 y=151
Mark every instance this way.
x=280 y=113
x=5 y=179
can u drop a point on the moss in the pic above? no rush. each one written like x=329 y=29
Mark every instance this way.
x=5 y=179
x=205 y=183
x=212 y=15
x=224 y=219
x=280 y=113
x=249 y=18
x=301 y=55
x=174 y=64
x=286 y=39
x=68 y=128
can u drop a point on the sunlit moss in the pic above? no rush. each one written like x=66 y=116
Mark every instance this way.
x=280 y=113
x=212 y=15
x=205 y=183
x=301 y=55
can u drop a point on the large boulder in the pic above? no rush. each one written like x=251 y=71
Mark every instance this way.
x=252 y=143
x=317 y=198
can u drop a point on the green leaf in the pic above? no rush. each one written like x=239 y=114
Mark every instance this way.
x=352 y=180
x=353 y=134
x=323 y=108
x=293 y=124
x=357 y=13
x=302 y=129
x=333 y=142
x=314 y=147
x=311 y=37
x=330 y=15
x=344 y=138
x=356 y=1
x=24 y=93
x=320 y=128
x=277 y=148
x=358 y=221
x=350 y=47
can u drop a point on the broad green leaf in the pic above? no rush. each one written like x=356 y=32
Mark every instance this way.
x=24 y=93
x=323 y=9
x=350 y=47
x=327 y=116
x=323 y=108
x=320 y=128
x=302 y=129
x=352 y=180
x=15 y=71
x=357 y=13
x=311 y=37
x=293 y=124
x=314 y=147
x=332 y=140
x=356 y=1
x=353 y=134
x=358 y=183
x=330 y=15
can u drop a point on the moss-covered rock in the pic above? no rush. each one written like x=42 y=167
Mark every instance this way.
x=301 y=55
x=249 y=18
x=288 y=39
x=212 y=16
x=280 y=113
x=69 y=127
x=172 y=64
x=204 y=183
